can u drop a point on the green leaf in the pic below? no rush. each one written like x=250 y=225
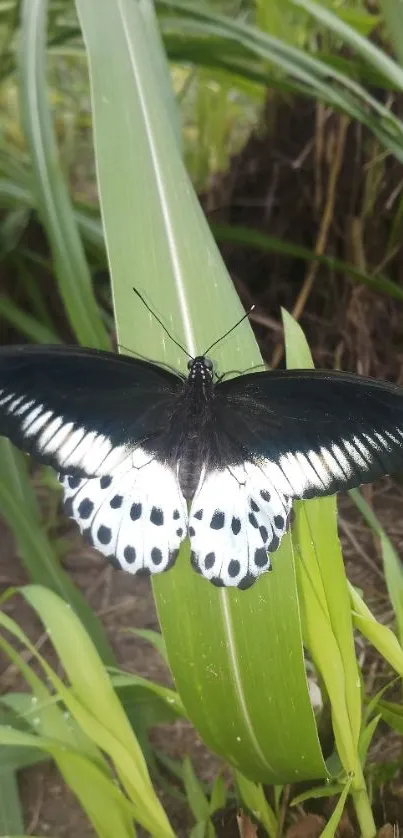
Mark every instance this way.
x=300 y=70
x=236 y=656
x=52 y=197
x=103 y=721
x=393 y=14
x=331 y=827
x=147 y=703
x=11 y=818
x=367 y=736
x=154 y=637
x=254 y=798
x=381 y=637
x=271 y=244
x=391 y=561
x=28 y=325
x=392 y=714
x=324 y=594
x=218 y=795
x=318 y=793
x=194 y=792
x=57 y=735
x=363 y=46
x=18 y=506
x=326 y=617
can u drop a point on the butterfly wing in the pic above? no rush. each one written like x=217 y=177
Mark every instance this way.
x=93 y=416
x=80 y=410
x=314 y=432
x=294 y=434
x=237 y=519
x=136 y=518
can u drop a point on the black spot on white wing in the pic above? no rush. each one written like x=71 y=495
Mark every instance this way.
x=243 y=519
x=138 y=517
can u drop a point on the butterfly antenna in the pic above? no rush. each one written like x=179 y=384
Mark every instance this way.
x=163 y=326
x=235 y=326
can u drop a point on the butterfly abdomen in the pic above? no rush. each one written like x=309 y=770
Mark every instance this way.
x=190 y=467
x=189 y=437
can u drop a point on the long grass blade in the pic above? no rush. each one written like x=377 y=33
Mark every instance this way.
x=48 y=182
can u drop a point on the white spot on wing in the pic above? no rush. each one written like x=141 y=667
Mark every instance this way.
x=59 y=437
x=362 y=449
x=6 y=398
x=11 y=407
x=32 y=415
x=355 y=455
x=48 y=432
x=342 y=460
x=68 y=448
x=332 y=465
x=38 y=423
x=24 y=407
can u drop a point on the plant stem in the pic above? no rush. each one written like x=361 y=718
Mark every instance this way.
x=362 y=807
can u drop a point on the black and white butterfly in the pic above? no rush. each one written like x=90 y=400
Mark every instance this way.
x=148 y=457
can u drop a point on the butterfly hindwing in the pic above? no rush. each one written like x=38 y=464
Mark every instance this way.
x=136 y=517
x=79 y=409
x=237 y=520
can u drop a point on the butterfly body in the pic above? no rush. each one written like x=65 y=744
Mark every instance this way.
x=148 y=456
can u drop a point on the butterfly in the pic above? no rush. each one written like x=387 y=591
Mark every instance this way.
x=149 y=456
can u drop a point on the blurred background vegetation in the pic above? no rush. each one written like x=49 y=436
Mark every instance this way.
x=290 y=120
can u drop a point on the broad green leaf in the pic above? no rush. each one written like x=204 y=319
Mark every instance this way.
x=236 y=656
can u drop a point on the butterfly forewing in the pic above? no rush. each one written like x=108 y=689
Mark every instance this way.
x=315 y=432
x=81 y=410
